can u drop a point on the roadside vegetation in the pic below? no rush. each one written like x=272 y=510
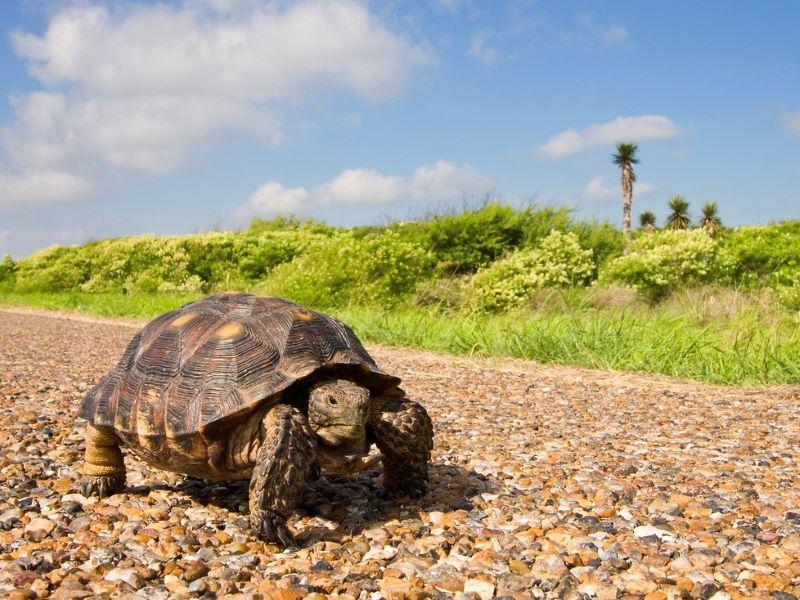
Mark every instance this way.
x=696 y=301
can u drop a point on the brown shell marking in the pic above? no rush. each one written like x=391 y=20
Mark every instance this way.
x=215 y=358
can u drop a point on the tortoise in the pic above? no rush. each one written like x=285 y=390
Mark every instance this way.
x=235 y=386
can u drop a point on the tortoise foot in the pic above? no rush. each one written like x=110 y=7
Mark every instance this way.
x=272 y=528
x=104 y=486
x=412 y=489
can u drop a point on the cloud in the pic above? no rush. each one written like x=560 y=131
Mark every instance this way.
x=483 y=53
x=273 y=198
x=608 y=34
x=613 y=35
x=140 y=89
x=636 y=129
x=438 y=181
x=144 y=133
x=361 y=186
x=258 y=53
x=792 y=123
x=40 y=187
x=597 y=189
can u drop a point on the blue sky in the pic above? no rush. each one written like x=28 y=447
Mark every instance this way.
x=122 y=118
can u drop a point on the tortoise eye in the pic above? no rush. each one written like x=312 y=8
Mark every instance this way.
x=332 y=400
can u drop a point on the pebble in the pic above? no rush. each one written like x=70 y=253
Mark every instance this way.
x=546 y=482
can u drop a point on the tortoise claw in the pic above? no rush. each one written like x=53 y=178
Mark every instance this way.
x=102 y=487
x=272 y=529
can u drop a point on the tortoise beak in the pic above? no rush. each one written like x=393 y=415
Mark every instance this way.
x=338 y=435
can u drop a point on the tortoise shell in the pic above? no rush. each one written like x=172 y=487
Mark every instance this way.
x=218 y=358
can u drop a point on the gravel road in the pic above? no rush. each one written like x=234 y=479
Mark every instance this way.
x=546 y=482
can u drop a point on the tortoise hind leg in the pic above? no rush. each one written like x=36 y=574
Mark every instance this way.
x=283 y=464
x=402 y=430
x=104 y=467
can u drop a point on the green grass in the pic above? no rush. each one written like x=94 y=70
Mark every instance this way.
x=718 y=336
x=103 y=304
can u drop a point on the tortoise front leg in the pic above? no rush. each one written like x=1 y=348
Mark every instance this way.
x=283 y=463
x=402 y=430
x=104 y=467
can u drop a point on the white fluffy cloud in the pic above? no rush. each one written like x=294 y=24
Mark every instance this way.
x=274 y=51
x=621 y=129
x=40 y=187
x=438 y=181
x=792 y=123
x=140 y=89
x=598 y=189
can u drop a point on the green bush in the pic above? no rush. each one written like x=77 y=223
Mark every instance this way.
x=147 y=263
x=345 y=269
x=657 y=263
x=558 y=261
x=7 y=268
x=768 y=254
x=606 y=241
x=463 y=242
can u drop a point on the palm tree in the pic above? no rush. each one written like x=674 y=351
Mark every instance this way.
x=678 y=218
x=709 y=220
x=647 y=221
x=625 y=158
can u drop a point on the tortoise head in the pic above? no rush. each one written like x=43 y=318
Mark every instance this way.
x=337 y=412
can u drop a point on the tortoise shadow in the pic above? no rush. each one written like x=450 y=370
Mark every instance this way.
x=355 y=503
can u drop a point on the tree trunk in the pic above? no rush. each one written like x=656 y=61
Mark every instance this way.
x=627 y=201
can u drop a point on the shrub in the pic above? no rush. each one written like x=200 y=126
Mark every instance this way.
x=789 y=295
x=461 y=243
x=378 y=269
x=558 y=261
x=605 y=241
x=7 y=267
x=763 y=254
x=146 y=263
x=660 y=262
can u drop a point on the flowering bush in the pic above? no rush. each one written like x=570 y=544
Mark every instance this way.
x=147 y=263
x=763 y=254
x=657 y=263
x=558 y=261
x=347 y=269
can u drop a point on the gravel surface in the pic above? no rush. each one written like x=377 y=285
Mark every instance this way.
x=546 y=482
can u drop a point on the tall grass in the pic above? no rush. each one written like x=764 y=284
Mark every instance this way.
x=702 y=334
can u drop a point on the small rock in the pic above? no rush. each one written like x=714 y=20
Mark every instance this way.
x=129 y=576
x=195 y=570
x=483 y=589
x=38 y=529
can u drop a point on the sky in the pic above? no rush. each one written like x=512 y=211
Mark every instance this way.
x=120 y=118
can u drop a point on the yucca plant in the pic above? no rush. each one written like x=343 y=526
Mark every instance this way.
x=625 y=158
x=647 y=221
x=709 y=220
x=678 y=218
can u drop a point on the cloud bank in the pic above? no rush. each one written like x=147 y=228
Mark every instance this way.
x=621 y=129
x=438 y=181
x=140 y=89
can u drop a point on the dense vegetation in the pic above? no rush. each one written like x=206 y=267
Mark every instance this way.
x=530 y=282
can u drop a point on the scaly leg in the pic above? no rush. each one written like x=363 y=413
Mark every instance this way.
x=104 y=468
x=282 y=466
x=402 y=430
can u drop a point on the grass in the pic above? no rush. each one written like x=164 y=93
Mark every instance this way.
x=715 y=335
